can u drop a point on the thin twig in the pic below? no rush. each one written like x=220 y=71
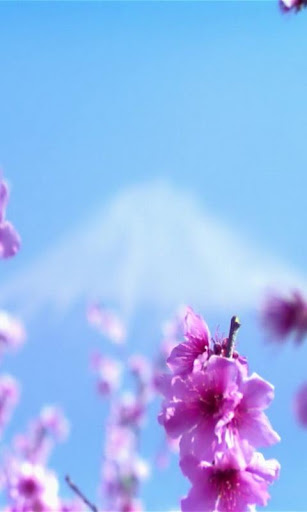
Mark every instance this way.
x=77 y=491
x=234 y=327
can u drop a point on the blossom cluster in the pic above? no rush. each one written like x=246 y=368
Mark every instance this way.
x=123 y=468
x=25 y=479
x=29 y=484
x=217 y=411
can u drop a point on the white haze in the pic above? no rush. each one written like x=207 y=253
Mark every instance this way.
x=151 y=245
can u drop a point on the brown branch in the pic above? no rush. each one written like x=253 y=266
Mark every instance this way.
x=234 y=327
x=77 y=491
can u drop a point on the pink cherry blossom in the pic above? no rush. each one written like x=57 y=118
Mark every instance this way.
x=121 y=442
x=237 y=480
x=283 y=316
x=220 y=401
x=32 y=487
x=12 y=331
x=109 y=373
x=107 y=322
x=249 y=421
x=195 y=407
x=197 y=335
x=36 y=444
x=53 y=421
x=140 y=368
x=129 y=410
x=300 y=405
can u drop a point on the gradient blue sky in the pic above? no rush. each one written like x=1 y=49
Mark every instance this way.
x=97 y=97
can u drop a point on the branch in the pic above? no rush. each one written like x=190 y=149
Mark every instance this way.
x=234 y=327
x=77 y=491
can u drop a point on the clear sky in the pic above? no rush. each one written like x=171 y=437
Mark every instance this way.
x=99 y=97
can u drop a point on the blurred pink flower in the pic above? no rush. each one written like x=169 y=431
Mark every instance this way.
x=9 y=240
x=140 y=367
x=109 y=373
x=121 y=442
x=283 y=316
x=129 y=410
x=53 y=420
x=36 y=444
x=33 y=488
x=12 y=331
x=107 y=322
x=292 y=5
x=9 y=395
x=300 y=405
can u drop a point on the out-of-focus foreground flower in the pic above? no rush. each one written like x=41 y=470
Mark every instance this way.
x=292 y=5
x=284 y=316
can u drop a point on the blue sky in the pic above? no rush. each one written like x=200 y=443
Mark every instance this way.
x=98 y=98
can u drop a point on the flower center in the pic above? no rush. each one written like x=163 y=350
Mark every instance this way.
x=211 y=403
x=28 y=487
x=225 y=482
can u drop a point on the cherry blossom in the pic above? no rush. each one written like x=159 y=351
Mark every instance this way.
x=32 y=487
x=36 y=443
x=107 y=322
x=237 y=480
x=197 y=334
x=108 y=371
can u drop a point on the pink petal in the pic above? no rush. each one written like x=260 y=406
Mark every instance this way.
x=200 y=441
x=9 y=240
x=266 y=469
x=196 y=327
x=203 y=496
x=199 y=499
x=258 y=393
x=223 y=373
x=176 y=418
x=256 y=428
